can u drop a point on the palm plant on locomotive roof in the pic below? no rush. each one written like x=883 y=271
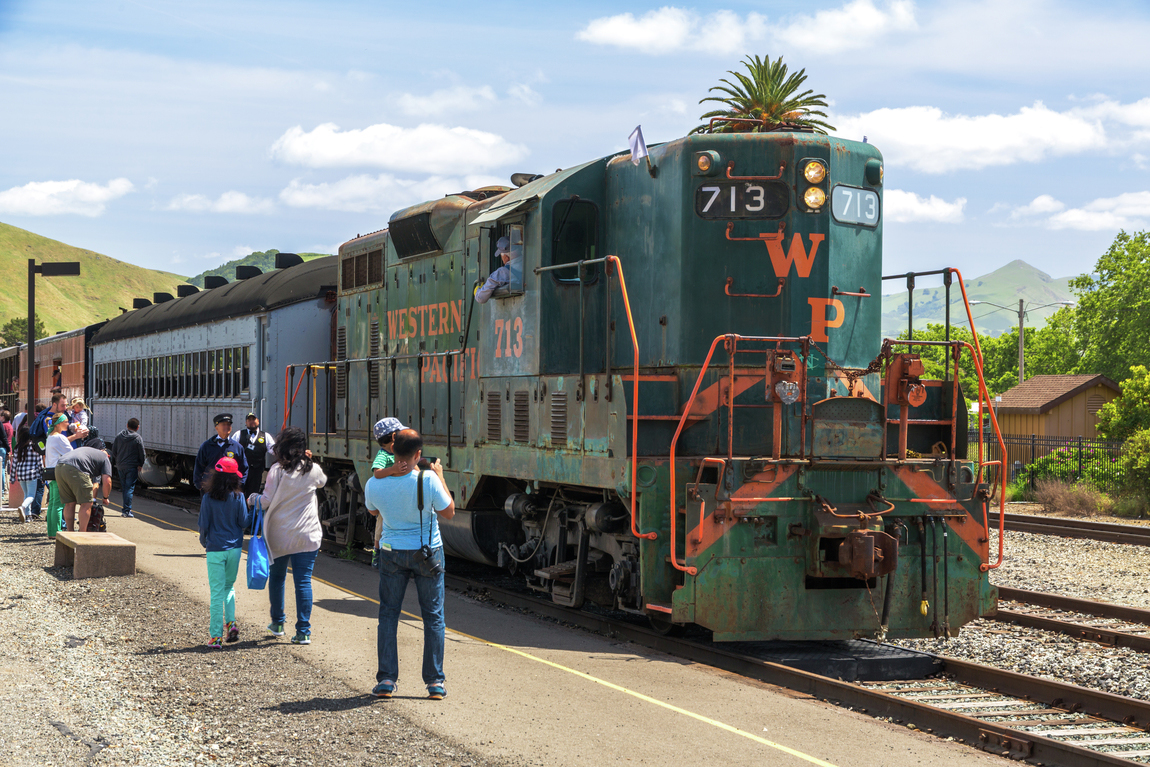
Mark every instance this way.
x=769 y=96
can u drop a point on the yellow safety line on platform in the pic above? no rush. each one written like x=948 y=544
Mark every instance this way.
x=618 y=688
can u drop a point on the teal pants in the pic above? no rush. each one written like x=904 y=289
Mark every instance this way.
x=222 y=569
x=55 y=513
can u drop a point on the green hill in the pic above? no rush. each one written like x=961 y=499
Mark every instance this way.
x=265 y=261
x=1003 y=286
x=66 y=303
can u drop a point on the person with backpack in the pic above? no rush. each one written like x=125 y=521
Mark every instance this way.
x=223 y=518
x=410 y=549
x=27 y=468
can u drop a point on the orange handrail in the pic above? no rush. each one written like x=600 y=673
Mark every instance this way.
x=634 y=401
x=984 y=399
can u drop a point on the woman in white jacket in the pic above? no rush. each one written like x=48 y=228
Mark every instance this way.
x=291 y=528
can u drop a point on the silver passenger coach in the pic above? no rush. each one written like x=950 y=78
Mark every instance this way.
x=176 y=363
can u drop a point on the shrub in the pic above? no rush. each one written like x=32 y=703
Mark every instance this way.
x=1099 y=469
x=1017 y=491
x=1076 y=500
x=1132 y=506
x=1136 y=462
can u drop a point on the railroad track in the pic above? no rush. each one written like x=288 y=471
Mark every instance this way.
x=1108 y=624
x=1076 y=528
x=1003 y=712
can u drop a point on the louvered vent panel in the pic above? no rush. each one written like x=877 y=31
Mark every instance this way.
x=494 y=416
x=1094 y=403
x=558 y=417
x=522 y=416
x=361 y=270
x=373 y=367
x=340 y=354
x=348 y=272
x=375 y=266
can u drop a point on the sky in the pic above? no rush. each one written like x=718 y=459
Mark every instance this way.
x=179 y=135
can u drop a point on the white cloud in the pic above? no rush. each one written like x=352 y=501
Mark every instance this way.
x=426 y=148
x=928 y=140
x=906 y=207
x=1040 y=205
x=525 y=93
x=240 y=251
x=228 y=202
x=1122 y=212
x=51 y=198
x=670 y=29
x=853 y=26
x=380 y=194
x=447 y=101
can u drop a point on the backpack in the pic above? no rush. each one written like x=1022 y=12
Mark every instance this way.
x=39 y=430
x=96 y=523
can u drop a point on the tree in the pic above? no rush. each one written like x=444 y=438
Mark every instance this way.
x=1121 y=418
x=769 y=96
x=1055 y=348
x=15 y=330
x=1112 y=320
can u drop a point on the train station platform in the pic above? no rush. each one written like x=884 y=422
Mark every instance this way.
x=523 y=690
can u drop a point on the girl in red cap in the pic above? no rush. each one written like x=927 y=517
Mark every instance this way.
x=224 y=516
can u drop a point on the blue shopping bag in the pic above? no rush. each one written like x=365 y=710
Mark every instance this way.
x=258 y=561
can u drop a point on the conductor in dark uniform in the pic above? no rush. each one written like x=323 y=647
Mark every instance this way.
x=220 y=446
x=256 y=444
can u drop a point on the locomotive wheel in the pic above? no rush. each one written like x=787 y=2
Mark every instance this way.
x=663 y=625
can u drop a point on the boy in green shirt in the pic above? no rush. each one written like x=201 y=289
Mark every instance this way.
x=384 y=432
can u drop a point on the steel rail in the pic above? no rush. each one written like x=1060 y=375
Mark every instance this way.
x=1108 y=532
x=1114 y=637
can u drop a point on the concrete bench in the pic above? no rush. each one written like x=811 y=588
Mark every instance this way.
x=95 y=555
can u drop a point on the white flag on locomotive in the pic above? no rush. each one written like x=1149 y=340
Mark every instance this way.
x=638 y=145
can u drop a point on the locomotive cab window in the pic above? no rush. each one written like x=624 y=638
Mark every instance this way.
x=512 y=274
x=574 y=238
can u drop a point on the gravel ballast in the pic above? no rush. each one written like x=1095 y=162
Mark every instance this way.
x=113 y=671
x=1071 y=567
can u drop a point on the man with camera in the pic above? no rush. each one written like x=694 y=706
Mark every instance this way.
x=410 y=549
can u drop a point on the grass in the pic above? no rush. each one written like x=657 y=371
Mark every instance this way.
x=66 y=303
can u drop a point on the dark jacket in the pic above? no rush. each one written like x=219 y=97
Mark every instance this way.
x=222 y=523
x=212 y=451
x=128 y=450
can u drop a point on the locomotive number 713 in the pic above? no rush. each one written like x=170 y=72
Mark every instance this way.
x=742 y=200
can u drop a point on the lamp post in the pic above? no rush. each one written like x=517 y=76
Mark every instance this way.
x=1021 y=322
x=52 y=269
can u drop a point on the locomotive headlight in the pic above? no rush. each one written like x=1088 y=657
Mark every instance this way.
x=814 y=197
x=788 y=392
x=874 y=172
x=707 y=163
x=815 y=172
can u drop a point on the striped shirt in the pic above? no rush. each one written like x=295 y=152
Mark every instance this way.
x=29 y=467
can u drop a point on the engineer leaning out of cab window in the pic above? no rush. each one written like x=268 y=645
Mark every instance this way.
x=508 y=278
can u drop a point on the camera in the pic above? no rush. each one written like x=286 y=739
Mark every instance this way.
x=423 y=554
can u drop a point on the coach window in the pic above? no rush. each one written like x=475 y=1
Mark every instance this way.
x=221 y=373
x=202 y=373
x=237 y=371
x=230 y=372
x=574 y=237
x=247 y=368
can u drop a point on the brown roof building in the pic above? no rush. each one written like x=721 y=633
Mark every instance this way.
x=1056 y=406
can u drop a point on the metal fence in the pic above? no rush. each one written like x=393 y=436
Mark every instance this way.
x=1030 y=458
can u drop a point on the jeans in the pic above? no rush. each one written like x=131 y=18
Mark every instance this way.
x=128 y=488
x=222 y=569
x=301 y=567
x=29 y=488
x=395 y=568
x=37 y=497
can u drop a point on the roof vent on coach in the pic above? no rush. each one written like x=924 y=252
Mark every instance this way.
x=244 y=272
x=140 y=303
x=185 y=290
x=214 y=281
x=162 y=298
x=287 y=260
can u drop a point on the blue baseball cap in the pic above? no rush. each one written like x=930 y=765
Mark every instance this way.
x=385 y=426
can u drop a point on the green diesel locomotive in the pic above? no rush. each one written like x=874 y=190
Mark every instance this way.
x=679 y=404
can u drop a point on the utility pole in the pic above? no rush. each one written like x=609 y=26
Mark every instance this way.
x=53 y=269
x=1021 y=322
